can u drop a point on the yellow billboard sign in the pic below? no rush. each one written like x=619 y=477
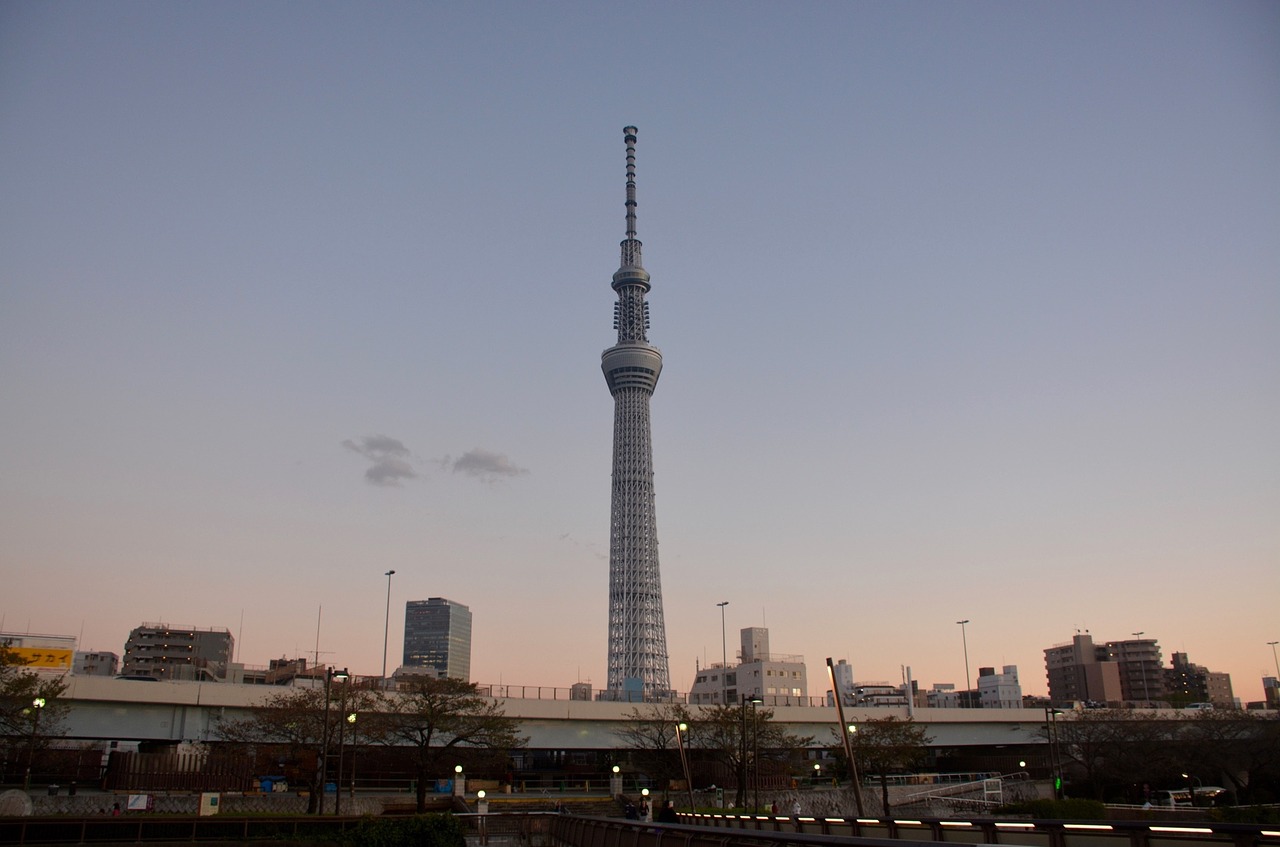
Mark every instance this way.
x=44 y=657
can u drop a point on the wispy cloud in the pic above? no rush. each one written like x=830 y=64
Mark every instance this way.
x=391 y=460
x=485 y=465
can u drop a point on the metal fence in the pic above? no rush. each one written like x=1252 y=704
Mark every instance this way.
x=142 y=828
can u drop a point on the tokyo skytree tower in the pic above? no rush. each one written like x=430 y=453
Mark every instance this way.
x=637 y=632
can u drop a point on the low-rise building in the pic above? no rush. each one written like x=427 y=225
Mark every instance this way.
x=165 y=651
x=95 y=663
x=776 y=679
x=1187 y=682
x=999 y=690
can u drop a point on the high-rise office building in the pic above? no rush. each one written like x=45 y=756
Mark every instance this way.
x=637 y=632
x=437 y=636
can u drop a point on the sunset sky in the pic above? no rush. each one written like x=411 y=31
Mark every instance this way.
x=968 y=310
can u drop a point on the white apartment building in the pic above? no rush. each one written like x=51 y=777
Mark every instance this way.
x=776 y=679
x=999 y=690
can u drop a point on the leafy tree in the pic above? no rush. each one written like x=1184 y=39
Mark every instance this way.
x=889 y=745
x=650 y=734
x=25 y=726
x=721 y=733
x=433 y=716
x=19 y=688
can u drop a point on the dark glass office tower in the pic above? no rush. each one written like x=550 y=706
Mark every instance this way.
x=437 y=635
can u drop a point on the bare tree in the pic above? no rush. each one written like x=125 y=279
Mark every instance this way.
x=889 y=745
x=733 y=735
x=435 y=716
x=1113 y=748
x=293 y=720
x=649 y=733
x=1231 y=748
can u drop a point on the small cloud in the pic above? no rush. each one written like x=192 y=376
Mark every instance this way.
x=390 y=472
x=389 y=456
x=485 y=464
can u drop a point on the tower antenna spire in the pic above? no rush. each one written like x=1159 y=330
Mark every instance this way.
x=631 y=246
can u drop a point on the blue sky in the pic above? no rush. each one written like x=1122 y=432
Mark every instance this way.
x=968 y=311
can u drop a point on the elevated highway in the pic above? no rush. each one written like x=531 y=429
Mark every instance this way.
x=103 y=708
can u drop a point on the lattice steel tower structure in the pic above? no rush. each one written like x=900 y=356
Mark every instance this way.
x=637 y=632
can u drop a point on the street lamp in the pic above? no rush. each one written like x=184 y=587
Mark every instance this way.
x=36 y=706
x=342 y=724
x=684 y=763
x=386 y=628
x=1051 y=735
x=1191 y=791
x=965 y=640
x=742 y=759
x=724 y=658
x=329 y=676
x=846 y=738
x=755 y=753
x=351 y=719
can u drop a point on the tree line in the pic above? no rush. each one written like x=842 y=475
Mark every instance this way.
x=1124 y=755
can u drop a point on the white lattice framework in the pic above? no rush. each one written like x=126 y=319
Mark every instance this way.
x=637 y=631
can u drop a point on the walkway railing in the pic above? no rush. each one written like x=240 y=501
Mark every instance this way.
x=1026 y=833
x=692 y=831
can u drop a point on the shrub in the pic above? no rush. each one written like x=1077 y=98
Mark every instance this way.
x=1066 y=810
x=412 y=831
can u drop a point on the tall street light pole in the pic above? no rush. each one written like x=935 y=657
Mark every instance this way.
x=846 y=731
x=329 y=676
x=342 y=725
x=724 y=658
x=386 y=628
x=1272 y=645
x=968 y=697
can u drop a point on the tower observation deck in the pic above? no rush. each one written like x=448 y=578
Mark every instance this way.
x=637 y=632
